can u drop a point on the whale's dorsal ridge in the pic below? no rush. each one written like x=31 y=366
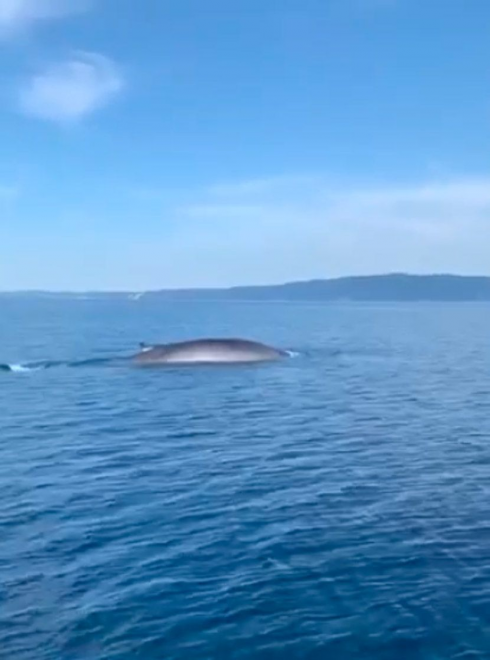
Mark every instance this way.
x=144 y=346
x=208 y=350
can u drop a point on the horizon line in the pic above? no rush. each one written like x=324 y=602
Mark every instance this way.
x=234 y=287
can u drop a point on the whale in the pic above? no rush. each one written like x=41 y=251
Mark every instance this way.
x=212 y=350
x=207 y=351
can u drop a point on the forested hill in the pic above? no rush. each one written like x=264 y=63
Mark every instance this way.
x=396 y=287
x=370 y=288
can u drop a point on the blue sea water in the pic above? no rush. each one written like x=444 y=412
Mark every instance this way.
x=336 y=505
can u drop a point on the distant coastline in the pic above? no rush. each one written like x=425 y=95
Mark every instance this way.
x=368 y=288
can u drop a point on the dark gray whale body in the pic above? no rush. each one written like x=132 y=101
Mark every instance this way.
x=207 y=351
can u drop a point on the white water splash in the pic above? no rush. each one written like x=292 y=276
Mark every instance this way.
x=22 y=368
x=18 y=368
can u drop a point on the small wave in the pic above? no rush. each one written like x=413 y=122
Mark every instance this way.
x=72 y=364
x=93 y=362
x=39 y=366
x=20 y=368
x=16 y=368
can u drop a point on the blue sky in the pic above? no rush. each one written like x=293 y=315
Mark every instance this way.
x=173 y=143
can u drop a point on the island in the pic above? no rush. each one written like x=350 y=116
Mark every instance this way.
x=392 y=287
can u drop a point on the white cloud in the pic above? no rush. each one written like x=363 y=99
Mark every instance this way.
x=67 y=91
x=18 y=14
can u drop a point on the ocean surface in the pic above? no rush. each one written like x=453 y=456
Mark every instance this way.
x=333 y=506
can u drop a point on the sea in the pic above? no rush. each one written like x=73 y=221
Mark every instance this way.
x=332 y=506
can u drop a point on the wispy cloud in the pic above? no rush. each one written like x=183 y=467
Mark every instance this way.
x=372 y=4
x=16 y=15
x=68 y=91
x=319 y=229
x=272 y=232
x=467 y=192
x=265 y=185
x=8 y=192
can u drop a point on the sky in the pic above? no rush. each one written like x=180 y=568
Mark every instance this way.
x=175 y=143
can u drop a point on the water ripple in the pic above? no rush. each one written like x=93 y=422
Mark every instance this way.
x=336 y=506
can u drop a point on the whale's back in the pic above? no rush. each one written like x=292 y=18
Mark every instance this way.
x=208 y=351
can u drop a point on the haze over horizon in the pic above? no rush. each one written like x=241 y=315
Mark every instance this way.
x=196 y=144
x=436 y=286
